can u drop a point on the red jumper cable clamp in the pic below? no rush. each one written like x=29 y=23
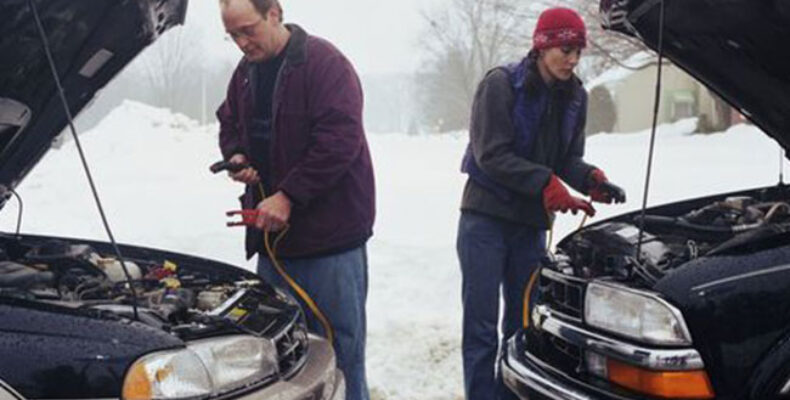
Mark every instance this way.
x=248 y=217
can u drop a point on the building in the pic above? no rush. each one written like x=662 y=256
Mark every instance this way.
x=631 y=93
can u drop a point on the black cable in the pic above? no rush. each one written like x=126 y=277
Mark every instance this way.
x=19 y=214
x=85 y=167
x=656 y=104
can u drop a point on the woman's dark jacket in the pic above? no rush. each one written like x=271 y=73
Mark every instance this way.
x=523 y=131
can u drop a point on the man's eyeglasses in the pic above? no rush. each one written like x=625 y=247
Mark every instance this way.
x=246 y=31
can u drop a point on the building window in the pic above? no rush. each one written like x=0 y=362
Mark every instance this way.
x=683 y=104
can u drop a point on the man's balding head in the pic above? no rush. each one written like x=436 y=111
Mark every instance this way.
x=262 y=6
x=255 y=26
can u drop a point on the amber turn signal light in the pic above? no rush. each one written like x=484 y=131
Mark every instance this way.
x=667 y=384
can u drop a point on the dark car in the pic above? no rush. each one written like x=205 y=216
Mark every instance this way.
x=702 y=308
x=73 y=323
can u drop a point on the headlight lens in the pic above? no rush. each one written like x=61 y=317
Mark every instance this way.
x=641 y=316
x=236 y=361
x=167 y=375
x=204 y=368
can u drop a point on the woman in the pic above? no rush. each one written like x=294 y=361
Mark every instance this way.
x=526 y=135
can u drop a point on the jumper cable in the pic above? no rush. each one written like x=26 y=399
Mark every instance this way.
x=248 y=218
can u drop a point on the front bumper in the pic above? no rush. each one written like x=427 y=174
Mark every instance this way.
x=318 y=379
x=530 y=377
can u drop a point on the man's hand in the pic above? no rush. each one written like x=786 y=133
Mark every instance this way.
x=274 y=212
x=248 y=175
x=557 y=198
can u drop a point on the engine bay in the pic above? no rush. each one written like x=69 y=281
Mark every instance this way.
x=733 y=225
x=190 y=301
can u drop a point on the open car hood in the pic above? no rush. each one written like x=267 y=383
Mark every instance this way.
x=735 y=47
x=91 y=41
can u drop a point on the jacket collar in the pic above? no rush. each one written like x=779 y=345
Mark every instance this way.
x=534 y=82
x=296 y=51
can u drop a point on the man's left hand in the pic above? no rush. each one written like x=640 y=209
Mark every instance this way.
x=274 y=212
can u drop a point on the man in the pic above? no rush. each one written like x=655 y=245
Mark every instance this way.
x=527 y=132
x=293 y=113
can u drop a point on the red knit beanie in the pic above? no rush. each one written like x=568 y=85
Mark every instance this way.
x=559 y=26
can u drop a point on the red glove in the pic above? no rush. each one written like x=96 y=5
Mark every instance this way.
x=596 y=178
x=557 y=198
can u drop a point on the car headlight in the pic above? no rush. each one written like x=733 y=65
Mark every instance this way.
x=639 y=315
x=205 y=368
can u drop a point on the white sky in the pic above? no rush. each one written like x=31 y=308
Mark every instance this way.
x=378 y=36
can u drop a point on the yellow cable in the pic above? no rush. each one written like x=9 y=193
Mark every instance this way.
x=584 y=220
x=551 y=231
x=271 y=251
x=527 y=291
x=532 y=279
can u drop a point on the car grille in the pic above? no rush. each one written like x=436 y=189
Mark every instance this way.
x=556 y=352
x=566 y=356
x=282 y=324
x=562 y=293
x=564 y=296
x=291 y=345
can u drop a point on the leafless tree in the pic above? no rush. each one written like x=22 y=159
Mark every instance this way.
x=468 y=37
x=461 y=42
x=171 y=68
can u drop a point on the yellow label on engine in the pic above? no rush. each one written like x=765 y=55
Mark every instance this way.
x=171 y=283
x=170 y=266
x=237 y=313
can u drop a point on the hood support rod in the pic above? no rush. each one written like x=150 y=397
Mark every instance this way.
x=85 y=167
x=656 y=104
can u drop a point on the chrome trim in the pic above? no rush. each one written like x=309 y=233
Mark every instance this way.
x=651 y=295
x=746 y=275
x=6 y=390
x=564 y=316
x=785 y=389
x=650 y=358
x=516 y=374
x=293 y=328
x=571 y=281
x=9 y=393
x=559 y=276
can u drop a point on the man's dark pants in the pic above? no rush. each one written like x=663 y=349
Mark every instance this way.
x=338 y=284
x=493 y=253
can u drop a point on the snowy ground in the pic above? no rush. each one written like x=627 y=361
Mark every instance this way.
x=152 y=171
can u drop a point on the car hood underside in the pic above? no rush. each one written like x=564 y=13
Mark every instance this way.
x=735 y=47
x=91 y=41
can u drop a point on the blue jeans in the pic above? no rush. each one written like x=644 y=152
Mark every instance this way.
x=493 y=253
x=338 y=284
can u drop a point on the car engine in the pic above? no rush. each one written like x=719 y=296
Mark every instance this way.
x=731 y=226
x=185 y=300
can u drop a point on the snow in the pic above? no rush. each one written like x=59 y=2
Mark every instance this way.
x=612 y=76
x=151 y=167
